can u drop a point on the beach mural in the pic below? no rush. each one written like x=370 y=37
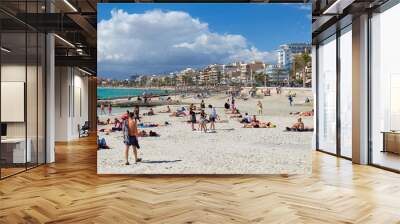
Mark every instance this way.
x=181 y=91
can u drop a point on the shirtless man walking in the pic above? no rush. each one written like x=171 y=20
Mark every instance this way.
x=130 y=137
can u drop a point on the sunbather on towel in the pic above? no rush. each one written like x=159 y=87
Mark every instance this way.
x=168 y=110
x=143 y=133
x=299 y=126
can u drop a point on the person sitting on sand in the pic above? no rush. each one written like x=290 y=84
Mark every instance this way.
x=130 y=138
x=151 y=133
x=246 y=119
x=299 y=125
x=202 y=105
x=258 y=124
x=117 y=125
x=150 y=113
x=254 y=122
x=203 y=121
x=227 y=106
x=102 y=144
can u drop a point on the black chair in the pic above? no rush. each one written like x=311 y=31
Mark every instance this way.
x=84 y=130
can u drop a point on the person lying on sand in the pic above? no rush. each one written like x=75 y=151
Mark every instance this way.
x=148 y=125
x=258 y=124
x=101 y=123
x=304 y=113
x=179 y=113
x=168 y=110
x=236 y=116
x=143 y=133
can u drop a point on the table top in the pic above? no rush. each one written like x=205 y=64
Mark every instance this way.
x=391 y=132
x=13 y=140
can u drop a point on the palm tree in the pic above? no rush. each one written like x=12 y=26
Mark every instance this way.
x=300 y=63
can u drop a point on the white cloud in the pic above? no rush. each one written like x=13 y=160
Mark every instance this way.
x=162 y=41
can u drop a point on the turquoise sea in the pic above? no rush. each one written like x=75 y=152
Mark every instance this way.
x=109 y=93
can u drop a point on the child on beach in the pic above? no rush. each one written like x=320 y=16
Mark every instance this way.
x=290 y=98
x=109 y=108
x=102 y=111
x=213 y=117
x=260 y=107
x=130 y=137
x=203 y=120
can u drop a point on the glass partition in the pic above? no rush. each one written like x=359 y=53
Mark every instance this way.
x=327 y=95
x=346 y=92
x=14 y=155
x=22 y=91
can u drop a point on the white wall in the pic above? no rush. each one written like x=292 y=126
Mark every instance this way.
x=71 y=102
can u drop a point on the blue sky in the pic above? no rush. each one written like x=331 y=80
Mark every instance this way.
x=263 y=26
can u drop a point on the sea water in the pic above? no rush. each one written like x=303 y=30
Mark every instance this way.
x=111 y=93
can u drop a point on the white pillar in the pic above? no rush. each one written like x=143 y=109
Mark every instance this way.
x=50 y=99
x=360 y=90
x=314 y=91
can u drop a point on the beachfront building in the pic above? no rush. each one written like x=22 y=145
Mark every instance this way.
x=276 y=74
x=287 y=52
x=232 y=72
x=249 y=70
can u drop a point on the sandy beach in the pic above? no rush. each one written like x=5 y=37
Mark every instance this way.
x=231 y=149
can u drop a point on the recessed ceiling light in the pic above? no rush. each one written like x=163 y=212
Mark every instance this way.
x=64 y=40
x=84 y=71
x=70 y=5
x=5 y=50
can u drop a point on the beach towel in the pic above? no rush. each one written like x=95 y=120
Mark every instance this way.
x=299 y=130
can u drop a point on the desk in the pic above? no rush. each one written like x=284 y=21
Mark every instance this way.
x=391 y=141
x=13 y=150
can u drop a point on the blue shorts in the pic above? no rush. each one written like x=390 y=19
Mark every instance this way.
x=132 y=140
